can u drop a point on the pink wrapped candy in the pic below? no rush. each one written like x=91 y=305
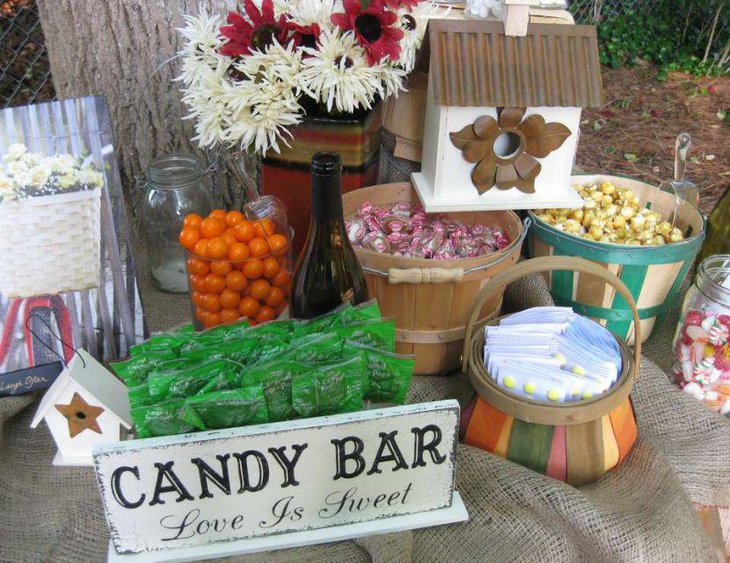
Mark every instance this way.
x=406 y=230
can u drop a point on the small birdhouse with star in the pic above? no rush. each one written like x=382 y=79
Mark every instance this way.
x=85 y=406
x=503 y=112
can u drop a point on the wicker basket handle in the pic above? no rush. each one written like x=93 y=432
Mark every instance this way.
x=550 y=264
x=425 y=275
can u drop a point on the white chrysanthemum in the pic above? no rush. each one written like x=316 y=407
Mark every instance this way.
x=205 y=98
x=307 y=12
x=90 y=177
x=338 y=75
x=413 y=24
x=200 y=52
x=264 y=102
x=16 y=151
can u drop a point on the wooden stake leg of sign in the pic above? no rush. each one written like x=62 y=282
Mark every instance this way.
x=455 y=513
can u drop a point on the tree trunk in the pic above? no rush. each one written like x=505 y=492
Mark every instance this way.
x=113 y=47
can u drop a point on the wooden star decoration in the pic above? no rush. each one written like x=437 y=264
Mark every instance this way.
x=80 y=415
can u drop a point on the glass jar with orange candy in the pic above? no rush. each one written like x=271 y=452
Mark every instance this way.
x=238 y=265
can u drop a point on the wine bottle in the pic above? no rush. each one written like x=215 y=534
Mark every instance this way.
x=718 y=229
x=327 y=273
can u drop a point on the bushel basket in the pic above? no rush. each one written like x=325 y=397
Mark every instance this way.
x=574 y=442
x=50 y=244
x=432 y=299
x=653 y=274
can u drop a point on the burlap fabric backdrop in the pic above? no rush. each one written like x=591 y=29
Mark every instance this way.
x=643 y=511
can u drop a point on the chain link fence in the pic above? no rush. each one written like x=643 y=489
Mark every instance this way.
x=25 y=74
x=595 y=11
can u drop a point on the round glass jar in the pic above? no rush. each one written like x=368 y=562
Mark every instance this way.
x=702 y=340
x=174 y=189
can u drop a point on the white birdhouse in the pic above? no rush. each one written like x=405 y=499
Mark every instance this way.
x=503 y=112
x=85 y=406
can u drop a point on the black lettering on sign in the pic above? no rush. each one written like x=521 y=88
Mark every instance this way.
x=388 y=441
x=117 y=486
x=208 y=474
x=164 y=471
x=342 y=457
x=286 y=464
x=419 y=446
x=262 y=471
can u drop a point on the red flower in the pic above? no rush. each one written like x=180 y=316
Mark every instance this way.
x=373 y=29
x=258 y=33
x=305 y=35
x=407 y=4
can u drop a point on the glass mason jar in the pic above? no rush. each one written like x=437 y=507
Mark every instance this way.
x=702 y=341
x=173 y=190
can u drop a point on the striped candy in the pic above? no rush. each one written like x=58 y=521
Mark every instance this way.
x=577 y=454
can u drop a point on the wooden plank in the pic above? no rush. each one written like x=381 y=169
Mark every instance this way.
x=530 y=445
x=485 y=426
x=610 y=446
x=557 y=466
x=624 y=428
x=584 y=448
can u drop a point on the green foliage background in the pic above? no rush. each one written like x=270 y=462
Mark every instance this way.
x=672 y=34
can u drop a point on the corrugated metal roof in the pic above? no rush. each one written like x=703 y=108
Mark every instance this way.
x=474 y=64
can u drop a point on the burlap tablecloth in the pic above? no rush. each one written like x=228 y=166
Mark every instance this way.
x=642 y=511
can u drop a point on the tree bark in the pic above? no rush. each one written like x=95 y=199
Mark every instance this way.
x=113 y=47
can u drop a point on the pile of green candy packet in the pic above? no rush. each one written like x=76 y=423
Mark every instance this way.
x=235 y=375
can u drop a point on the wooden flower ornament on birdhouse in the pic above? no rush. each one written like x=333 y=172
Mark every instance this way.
x=503 y=114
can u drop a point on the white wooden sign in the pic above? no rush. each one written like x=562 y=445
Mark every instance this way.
x=284 y=478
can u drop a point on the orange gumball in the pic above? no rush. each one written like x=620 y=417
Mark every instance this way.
x=258 y=247
x=229 y=315
x=244 y=231
x=278 y=244
x=197 y=283
x=201 y=248
x=217 y=248
x=253 y=269
x=281 y=279
x=234 y=217
x=238 y=251
x=211 y=302
x=189 y=237
x=211 y=227
x=248 y=307
x=265 y=314
x=219 y=214
x=230 y=299
x=197 y=298
x=214 y=283
x=211 y=319
x=236 y=281
x=260 y=289
x=198 y=266
x=229 y=236
x=200 y=314
x=275 y=297
x=264 y=227
x=271 y=267
x=221 y=268
x=193 y=220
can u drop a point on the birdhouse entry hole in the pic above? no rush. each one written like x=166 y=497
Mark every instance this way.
x=507 y=145
x=80 y=415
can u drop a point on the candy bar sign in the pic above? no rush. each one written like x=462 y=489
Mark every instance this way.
x=195 y=489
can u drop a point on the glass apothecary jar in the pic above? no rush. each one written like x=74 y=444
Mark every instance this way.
x=173 y=190
x=702 y=341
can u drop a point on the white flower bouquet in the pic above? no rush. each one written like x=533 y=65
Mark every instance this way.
x=26 y=174
x=247 y=82
x=50 y=210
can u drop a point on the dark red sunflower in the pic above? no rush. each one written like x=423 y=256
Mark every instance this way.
x=304 y=35
x=259 y=31
x=407 y=4
x=373 y=27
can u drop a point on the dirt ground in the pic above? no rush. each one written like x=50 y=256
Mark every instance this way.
x=634 y=133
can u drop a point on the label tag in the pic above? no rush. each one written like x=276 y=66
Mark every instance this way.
x=25 y=380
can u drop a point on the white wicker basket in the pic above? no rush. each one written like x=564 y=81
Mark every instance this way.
x=50 y=244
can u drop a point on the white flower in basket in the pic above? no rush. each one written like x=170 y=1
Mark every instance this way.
x=50 y=220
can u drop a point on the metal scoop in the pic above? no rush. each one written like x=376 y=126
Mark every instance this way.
x=682 y=189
